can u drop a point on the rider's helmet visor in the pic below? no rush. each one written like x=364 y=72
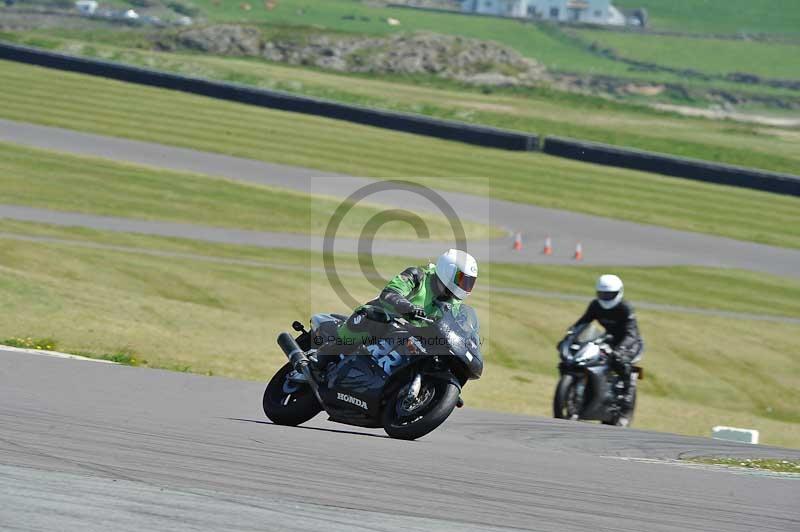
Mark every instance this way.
x=607 y=296
x=464 y=281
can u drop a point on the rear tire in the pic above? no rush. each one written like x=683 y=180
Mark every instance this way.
x=438 y=399
x=289 y=403
x=564 y=401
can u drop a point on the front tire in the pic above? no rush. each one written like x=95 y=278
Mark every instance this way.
x=565 y=401
x=289 y=403
x=435 y=402
x=625 y=418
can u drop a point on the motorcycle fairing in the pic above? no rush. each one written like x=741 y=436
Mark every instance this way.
x=363 y=376
x=599 y=382
x=354 y=388
x=465 y=348
x=594 y=406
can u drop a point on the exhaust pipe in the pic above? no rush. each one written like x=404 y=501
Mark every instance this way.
x=292 y=351
x=299 y=361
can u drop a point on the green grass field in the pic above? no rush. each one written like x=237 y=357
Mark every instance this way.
x=539 y=111
x=721 y=16
x=698 y=16
x=353 y=16
x=191 y=313
x=545 y=43
x=710 y=56
x=548 y=45
x=704 y=16
x=39 y=178
x=552 y=46
x=118 y=109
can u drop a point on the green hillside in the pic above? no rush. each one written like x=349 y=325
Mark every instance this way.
x=710 y=56
x=721 y=16
x=698 y=16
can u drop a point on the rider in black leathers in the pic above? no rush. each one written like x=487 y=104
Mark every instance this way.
x=619 y=320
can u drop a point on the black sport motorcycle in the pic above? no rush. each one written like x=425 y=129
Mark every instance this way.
x=407 y=382
x=588 y=389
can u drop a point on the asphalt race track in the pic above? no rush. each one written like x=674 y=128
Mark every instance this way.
x=89 y=446
x=605 y=241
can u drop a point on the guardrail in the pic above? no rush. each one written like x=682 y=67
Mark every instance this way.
x=408 y=123
x=590 y=152
x=658 y=163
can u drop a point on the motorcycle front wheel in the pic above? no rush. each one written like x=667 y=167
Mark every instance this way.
x=565 y=401
x=289 y=403
x=406 y=419
x=624 y=418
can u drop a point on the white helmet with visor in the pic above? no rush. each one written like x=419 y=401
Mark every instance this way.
x=609 y=291
x=457 y=270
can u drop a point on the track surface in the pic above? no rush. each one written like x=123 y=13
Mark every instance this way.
x=605 y=241
x=86 y=446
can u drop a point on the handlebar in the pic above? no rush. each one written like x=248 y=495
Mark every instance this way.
x=404 y=320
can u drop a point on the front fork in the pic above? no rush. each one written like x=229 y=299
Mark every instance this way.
x=580 y=391
x=413 y=390
x=416 y=385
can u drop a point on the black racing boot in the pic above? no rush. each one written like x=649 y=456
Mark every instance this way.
x=624 y=394
x=625 y=397
x=625 y=401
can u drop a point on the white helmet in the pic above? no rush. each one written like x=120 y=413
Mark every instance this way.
x=609 y=291
x=458 y=271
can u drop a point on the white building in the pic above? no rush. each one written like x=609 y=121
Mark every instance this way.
x=86 y=7
x=584 y=11
x=501 y=8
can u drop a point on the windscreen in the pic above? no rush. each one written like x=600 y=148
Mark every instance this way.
x=588 y=333
x=466 y=319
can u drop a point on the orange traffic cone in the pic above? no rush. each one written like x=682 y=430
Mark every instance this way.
x=579 y=252
x=517 y=242
x=548 y=246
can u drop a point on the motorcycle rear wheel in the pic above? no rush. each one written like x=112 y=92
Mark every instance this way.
x=436 y=401
x=289 y=403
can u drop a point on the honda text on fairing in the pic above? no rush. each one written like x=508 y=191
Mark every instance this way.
x=588 y=389
x=407 y=382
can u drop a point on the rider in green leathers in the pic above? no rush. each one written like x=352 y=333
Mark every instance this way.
x=414 y=293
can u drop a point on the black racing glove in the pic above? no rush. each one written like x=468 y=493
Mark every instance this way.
x=566 y=336
x=416 y=312
x=617 y=358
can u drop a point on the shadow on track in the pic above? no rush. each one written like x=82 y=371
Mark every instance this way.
x=310 y=428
